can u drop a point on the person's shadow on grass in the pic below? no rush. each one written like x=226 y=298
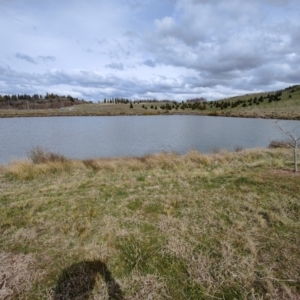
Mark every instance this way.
x=77 y=281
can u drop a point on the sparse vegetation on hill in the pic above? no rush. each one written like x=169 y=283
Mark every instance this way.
x=283 y=104
x=219 y=226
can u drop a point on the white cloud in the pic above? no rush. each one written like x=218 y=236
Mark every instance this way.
x=177 y=49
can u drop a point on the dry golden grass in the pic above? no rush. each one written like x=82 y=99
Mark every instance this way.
x=17 y=274
x=218 y=226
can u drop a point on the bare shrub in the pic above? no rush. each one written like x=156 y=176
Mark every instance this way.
x=279 y=144
x=294 y=139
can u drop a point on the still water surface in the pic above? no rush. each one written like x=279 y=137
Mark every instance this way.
x=91 y=137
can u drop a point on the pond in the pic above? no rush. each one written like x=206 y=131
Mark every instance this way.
x=117 y=136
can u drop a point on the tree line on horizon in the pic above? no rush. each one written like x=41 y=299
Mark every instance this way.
x=50 y=100
x=138 y=101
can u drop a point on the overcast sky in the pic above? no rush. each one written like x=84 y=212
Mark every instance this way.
x=163 y=49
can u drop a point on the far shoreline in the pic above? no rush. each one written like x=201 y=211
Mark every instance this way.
x=253 y=115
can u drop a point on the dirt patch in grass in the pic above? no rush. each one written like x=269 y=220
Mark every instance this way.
x=17 y=274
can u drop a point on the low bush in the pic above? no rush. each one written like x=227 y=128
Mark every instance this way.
x=279 y=144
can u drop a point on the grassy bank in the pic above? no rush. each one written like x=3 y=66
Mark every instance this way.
x=285 y=113
x=219 y=226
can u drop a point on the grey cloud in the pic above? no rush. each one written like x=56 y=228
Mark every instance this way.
x=102 y=42
x=295 y=37
x=134 y=4
x=230 y=63
x=278 y=2
x=88 y=50
x=46 y=59
x=117 y=52
x=203 y=1
x=149 y=63
x=116 y=66
x=218 y=43
x=86 y=79
x=221 y=45
x=169 y=30
x=26 y=57
x=131 y=34
x=209 y=23
x=92 y=85
x=272 y=2
x=224 y=49
x=35 y=60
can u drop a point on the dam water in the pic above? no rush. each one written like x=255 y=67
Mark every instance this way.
x=119 y=136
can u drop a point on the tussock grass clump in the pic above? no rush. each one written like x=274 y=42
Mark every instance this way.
x=198 y=158
x=27 y=170
x=39 y=156
x=165 y=226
